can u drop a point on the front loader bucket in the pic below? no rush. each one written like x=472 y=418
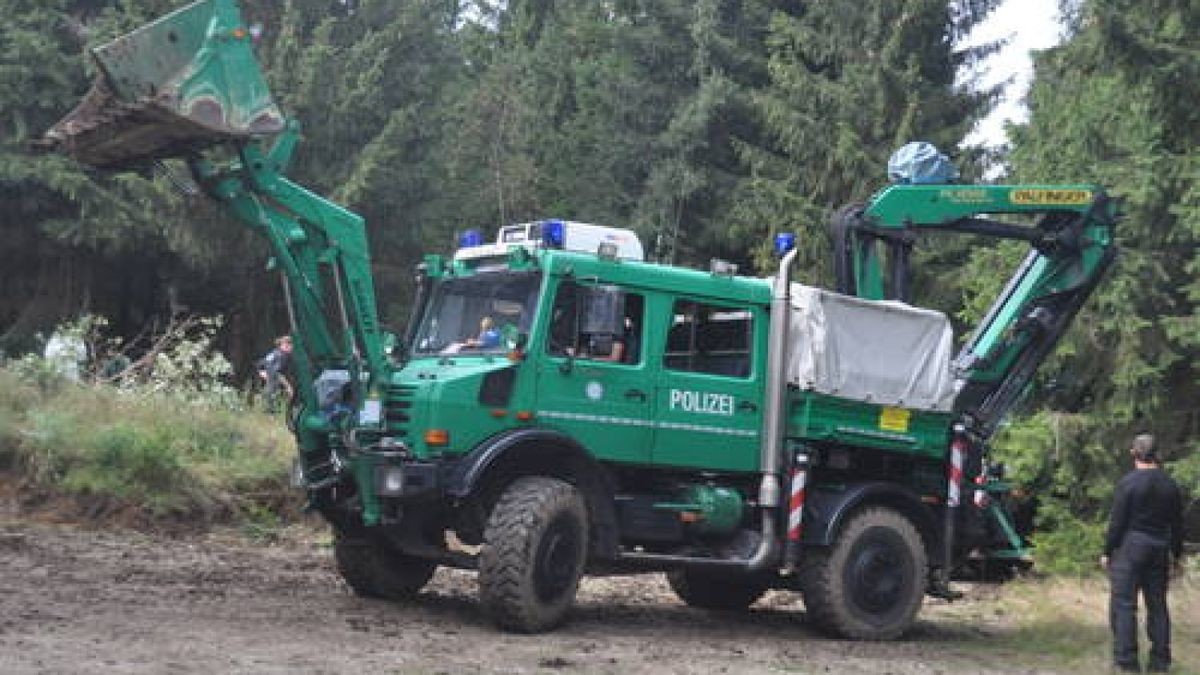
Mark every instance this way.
x=170 y=88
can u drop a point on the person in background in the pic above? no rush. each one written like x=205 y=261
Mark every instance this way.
x=1145 y=533
x=272 y=369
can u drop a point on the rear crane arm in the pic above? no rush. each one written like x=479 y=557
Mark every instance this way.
x=1071 y=246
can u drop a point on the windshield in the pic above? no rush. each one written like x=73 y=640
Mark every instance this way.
x=478 y=314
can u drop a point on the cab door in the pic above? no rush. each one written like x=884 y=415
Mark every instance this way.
x=593 y=387
x=708 y=389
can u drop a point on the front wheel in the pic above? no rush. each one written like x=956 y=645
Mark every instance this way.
x=534 y=550
x=869 y=585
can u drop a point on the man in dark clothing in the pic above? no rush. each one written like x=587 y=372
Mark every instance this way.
x=1144 y=533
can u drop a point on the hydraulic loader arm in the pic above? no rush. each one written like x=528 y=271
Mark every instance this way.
x=1071 y=242
x=188 y=86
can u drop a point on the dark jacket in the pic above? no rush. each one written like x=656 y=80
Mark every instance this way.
x=1148 y=502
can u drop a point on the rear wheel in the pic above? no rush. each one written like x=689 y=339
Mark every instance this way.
x=716 y=590
x=869 y=585
x=535 y=547
x=376 y=572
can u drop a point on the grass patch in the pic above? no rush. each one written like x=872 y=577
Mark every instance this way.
x=1060 y=624
x=169 y=458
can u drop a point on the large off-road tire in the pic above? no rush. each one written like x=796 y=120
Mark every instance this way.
x=724 y=591
x=534 y=550
x=376 y=572
x=869 y=585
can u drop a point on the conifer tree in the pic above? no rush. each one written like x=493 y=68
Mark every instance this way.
x=1114 y=105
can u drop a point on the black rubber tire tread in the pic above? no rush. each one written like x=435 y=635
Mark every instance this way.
x=721 y=591
x=514 y=531
x=823 y=579
x=375 y=572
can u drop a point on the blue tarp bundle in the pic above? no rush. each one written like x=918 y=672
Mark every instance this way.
x=920 y=163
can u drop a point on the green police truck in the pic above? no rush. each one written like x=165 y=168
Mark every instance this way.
x=557 y=405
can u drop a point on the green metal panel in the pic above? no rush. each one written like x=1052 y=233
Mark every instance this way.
x=817 y=417
x=696 y=283
x=928 y=204
x=443 y=393
x=707 y=421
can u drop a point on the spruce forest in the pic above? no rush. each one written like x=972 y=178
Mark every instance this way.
x=705 y=125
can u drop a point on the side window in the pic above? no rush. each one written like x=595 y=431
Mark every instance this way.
x=597 y=323
x=706 y=338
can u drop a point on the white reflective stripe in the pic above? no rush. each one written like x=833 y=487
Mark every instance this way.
x=798 y=482
x=871 y=433
x=954 y=494
x=794 y=515
x=633 y=422
x=602 y=419
x=707 y=430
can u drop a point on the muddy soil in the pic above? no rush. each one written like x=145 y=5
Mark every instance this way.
x=74 y=600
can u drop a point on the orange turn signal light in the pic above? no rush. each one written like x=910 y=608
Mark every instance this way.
x=437 y=437
x=524 y=415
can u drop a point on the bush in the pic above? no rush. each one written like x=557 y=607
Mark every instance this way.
x=169 y=451
x=1069 y=547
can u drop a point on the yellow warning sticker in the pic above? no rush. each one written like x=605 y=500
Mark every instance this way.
x=894 y=419
x=1049 y=197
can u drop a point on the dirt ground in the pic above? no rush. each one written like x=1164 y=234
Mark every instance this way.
x=81 y=600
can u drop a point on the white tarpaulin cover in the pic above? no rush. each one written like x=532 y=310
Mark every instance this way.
x=883 y=352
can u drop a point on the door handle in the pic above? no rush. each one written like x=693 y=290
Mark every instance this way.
x=636 y=393
x=748 y=406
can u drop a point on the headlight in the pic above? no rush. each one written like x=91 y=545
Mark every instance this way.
x=390 y=481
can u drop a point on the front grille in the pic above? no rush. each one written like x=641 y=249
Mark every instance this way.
x=397 y=409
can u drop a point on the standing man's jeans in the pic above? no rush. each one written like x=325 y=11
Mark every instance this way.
x=1140 y=564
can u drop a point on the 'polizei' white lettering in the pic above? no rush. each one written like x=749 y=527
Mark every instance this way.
x=701 y=402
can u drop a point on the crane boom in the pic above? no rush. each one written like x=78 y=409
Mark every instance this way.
x=1071 y=245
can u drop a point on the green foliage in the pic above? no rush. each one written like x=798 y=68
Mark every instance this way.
x=849 y=84
x=1068 y=546
x=1109 y=106
x=164 y=437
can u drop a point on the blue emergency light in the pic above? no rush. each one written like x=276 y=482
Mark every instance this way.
x=553 y=233
x=470 y=238
x=784 y=242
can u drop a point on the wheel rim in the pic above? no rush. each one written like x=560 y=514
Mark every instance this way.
x=557 y=560
x=878 y=576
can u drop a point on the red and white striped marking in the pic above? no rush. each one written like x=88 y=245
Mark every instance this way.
x=982 y=500
x=796 y=503
x=954 y=473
